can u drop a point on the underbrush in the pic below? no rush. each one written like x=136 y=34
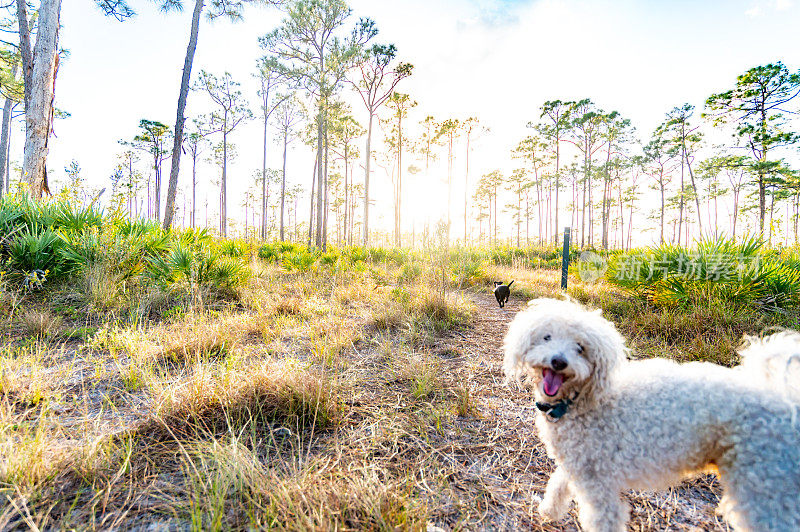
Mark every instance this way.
x=738 y=276
x=105 y=263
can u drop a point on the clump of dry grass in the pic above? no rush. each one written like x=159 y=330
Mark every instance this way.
x=446 y=311
x=231 y=488
x=39 y=323
x=465 y=401
x=422 y=305
x=388 y=317
x=8 y=300
x=195 y=338
x=29 y=452
x=292 y=306
x=100 y=289
x=24 y=382
x=213 y=398
x=422 y=372
x=200 y=337
x=23 y=391
x=329 y=338
x=360 y=499
x=360 y=290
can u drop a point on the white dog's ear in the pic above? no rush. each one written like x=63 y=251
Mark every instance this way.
x=606 y=352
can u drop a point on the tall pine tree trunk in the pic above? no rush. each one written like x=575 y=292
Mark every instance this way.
x=694 y=188
x=680 y=204
x=605 y=205
x=223 y=207
x=311 y=207
x=449 y=183
x=194 y=187
x=762 y=188
x=466 y=189
x=264 y=187
x=398 y=239
x=326 y=187
x=172 y=188
x=40 y=66
x=5 y=136
x=558 y=177
x=8 y=163
x=583 y=207
x=346 y=199
x=366 y=180
x=283 y=179
x=157 y=173
x=320 y=172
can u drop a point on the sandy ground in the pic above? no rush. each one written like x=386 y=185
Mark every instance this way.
x=500 y=453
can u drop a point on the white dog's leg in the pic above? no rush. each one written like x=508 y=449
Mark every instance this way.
x=557 y=496
x=601 y=509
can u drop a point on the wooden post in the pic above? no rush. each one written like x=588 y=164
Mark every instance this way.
x=565 y=260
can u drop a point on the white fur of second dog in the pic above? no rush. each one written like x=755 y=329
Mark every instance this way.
x=613 y=424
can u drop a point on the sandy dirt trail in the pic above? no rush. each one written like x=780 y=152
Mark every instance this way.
x=510 y=463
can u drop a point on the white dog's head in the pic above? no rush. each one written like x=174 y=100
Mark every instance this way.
x=562 y=348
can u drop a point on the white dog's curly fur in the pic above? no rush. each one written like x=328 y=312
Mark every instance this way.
x=613 y=424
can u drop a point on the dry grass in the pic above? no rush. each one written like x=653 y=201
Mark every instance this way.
x=465 y=400
x=39 y=323
x=28 y=449
x=421 y=305
x=370 y=399
x=196 y=337
x=25 y=382
x=232 y=488
x=8 y=301
x=213 y=399
x=101 y=290
x=288 y=307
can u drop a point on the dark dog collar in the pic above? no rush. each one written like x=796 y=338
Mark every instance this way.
x=555 y=411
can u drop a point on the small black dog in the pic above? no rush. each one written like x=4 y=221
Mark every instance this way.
x=501 y=292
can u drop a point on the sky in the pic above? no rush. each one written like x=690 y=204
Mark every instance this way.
x=497 y=60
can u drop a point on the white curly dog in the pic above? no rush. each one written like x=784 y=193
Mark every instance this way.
x=611 y=424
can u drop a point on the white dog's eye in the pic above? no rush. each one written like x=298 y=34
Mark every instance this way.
x=546 y=337
x=580 y=348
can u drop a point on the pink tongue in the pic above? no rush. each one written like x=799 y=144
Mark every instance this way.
x=552 y=381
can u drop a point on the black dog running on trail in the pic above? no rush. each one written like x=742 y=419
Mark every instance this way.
x=501 y=292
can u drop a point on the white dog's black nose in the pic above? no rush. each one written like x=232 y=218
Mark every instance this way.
x=558 y=363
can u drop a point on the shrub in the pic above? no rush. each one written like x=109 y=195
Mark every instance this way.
x=468 y=266
x=301 y=260
x=196 y=269
x=410 y=271
x=233 y=248
x=36 y=249
x=718 y=271
x=288 y=247
x=268 y=252
x=331 y=258
x=355 y=254
x=61 y=215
